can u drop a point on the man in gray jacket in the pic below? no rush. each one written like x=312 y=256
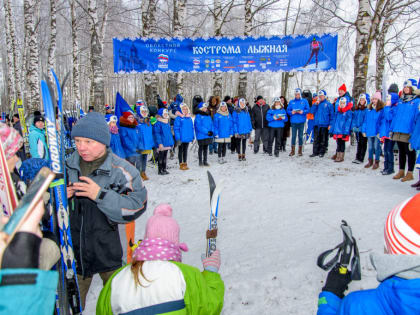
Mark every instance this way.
x=104 y=191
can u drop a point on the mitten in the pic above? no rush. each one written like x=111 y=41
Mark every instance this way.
x=22 y=252
x=210 y=133
x=212 y=263
x=336 y=282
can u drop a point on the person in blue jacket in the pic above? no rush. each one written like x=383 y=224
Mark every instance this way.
x=397 y=271
x=297 y=110
x=115 y=144
x=204 y=131
x=130 y=138
x=163 y=139
x=242 y=127
x=223 y=130
x=370 y=129
x=342 y=92
x=415 y=136
x=37 y=141
x=340 y=127
x=184 y=134
x=356 y=126
x=147 y=142
x=385 y=121
x=276 y=117
x=402 y=127
x=323 y=112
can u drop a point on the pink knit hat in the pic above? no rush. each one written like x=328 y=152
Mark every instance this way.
x=162 y=224
x=402 y=228
x=10 y=140
x=377 y=95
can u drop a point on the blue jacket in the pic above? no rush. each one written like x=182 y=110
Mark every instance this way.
x=241 y=122
x=162 y=134
x=130 y=138
x=37 y=144
x=184 y=129
x=323 y=113
x=223 y=125
x=342 y=121
x=147 y=142
x=404 y=116
x=371 y=123
x=337 y=102
x=415 y=136
x=277 y=123
x=393 y=296
x=116 y=145
x=385 y=120
x=358 y=118
x=300 y=104
x=202 y=125
x=35 y=295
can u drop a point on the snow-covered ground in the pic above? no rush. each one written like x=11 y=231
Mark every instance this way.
x=277 y=215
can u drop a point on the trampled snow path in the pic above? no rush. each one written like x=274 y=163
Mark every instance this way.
x=277 y=215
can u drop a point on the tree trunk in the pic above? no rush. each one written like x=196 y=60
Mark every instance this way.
x=217 y=76
x=149 y=29
x=243 y=76
x=97 y=97
x=53 y=36
x=380 y=53
x=75 y=55
x=32 y=76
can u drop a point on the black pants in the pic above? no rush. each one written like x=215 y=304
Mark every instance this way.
x=320 y=136
x=240 y=143
x=405 y=152
x=183 y=152
x=361 y=146
x=263 y=134
x=341 y=145
x=275 y=133
x=221 y=149
x=162 y=158
x=233 y=141
x=202 y=152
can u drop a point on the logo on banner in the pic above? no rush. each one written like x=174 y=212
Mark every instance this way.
x=196 y=63
x=163 y=61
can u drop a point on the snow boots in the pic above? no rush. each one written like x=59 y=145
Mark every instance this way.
x=375 y=165
x=292 y=152
x=340 y=157
x=183 y=166
x=300 y=150
x=369 y=163
x=144 y=176
x=399 y=175
x=334 y=157
x=409 y=176
x=241 y=157
x=416 y=185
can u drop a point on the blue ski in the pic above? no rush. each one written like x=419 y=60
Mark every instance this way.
x=215 y=191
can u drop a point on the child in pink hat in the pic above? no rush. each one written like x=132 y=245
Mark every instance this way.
x=157 y=282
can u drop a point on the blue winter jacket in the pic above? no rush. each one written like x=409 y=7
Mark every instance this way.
x=404 y=117
x=272 y=116
x=116 y=145
x=323 y=113
x=162 y=134
x=298 y=104
x=130 y=139
x=241 y=122
x=371 y=123
x=393 y=296
x=358 y=118
x=337 y=102
x=184 y=129
x=415 y=136
x=202 y=125
x=223 y=125
x=342 y=121
x=385 y=120
x=147 y=141
x=27 y=291
x=37 y=143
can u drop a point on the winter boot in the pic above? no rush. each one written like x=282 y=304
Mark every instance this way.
x=313 y=155
x=144 y=176
x=369 y=163
x=334 y=157
x=292 y=152
x=164 y=171
x=181 y=166
x=186 y=168
x=239 y=157
x=399 y=175
x=220 y=160
x=340 y=157
x=409 y=176
x=300 y=150
x=416 y=185
x=243 y=157
x=375 y=165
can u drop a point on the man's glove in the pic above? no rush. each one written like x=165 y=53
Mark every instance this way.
x=336 y=282
x=210 y=133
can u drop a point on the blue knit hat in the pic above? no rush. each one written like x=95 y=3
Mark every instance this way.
x=298 y=91
x=322 y=92
x=410 y=82
x=92 y=126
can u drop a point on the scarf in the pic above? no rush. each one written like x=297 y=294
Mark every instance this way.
x=159 y=249
x=226 y=113
x=163 y=120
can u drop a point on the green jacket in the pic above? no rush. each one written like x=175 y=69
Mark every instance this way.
x=202 y=295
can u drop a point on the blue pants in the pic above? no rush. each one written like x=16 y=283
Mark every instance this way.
x=374 y=148
x=213 y=147
x=135 y=160
x=389 y=155
x=297 y=128
x=143 y=162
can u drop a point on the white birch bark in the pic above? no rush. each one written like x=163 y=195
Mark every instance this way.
x=217 y=77
x=53 y=39
x=243 y=76
x=75 y=54
x=149 y=30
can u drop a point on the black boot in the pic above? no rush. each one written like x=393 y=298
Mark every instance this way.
x=164 y=171
x=205 y=158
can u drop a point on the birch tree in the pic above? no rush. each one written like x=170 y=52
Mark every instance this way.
x=75 y=54
x=243 y=76
x=53 y=39
x=217 y=77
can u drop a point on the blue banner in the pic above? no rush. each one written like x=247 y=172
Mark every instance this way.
x=288 y=53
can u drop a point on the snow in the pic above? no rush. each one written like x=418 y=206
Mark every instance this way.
x=277 y=215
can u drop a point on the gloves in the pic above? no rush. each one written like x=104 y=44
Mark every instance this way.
x=212 y=263
x=22 y=252
x=210 y=133
x=336 y=282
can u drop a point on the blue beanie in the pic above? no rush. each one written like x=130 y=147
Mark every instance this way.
x=92 y=126
x=322 y=92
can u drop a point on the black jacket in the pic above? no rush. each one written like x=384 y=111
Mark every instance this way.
x=259 y=116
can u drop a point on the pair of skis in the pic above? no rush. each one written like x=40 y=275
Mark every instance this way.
x=215 y=191
x=68 y=293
